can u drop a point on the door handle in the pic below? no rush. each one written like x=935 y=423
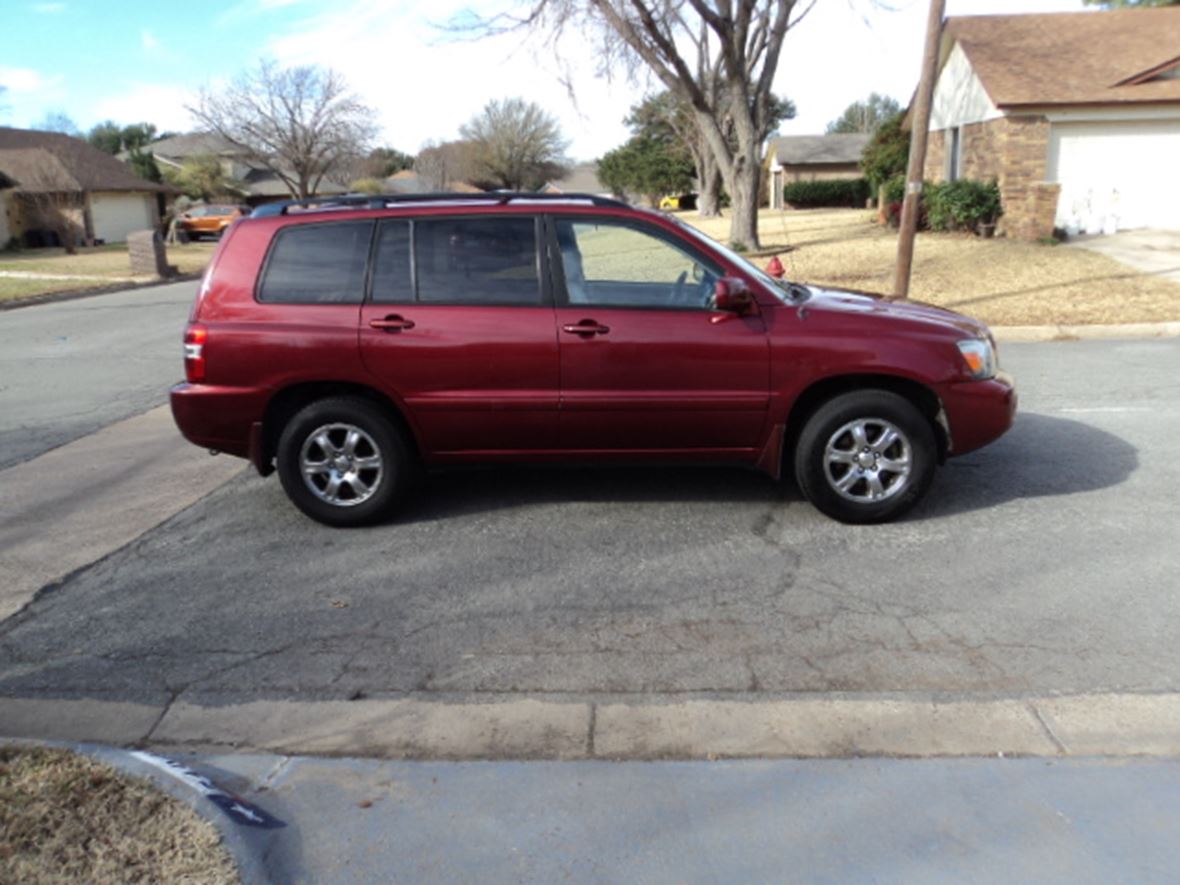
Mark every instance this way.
x=585 y=328
x=391 y=323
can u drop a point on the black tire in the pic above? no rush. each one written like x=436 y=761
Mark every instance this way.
x=371 y=476
x=889 y=480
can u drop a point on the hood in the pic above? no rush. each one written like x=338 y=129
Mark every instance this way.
x=839 y=301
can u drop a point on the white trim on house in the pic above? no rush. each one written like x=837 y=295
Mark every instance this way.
x=959 y=96
x=1102 y=113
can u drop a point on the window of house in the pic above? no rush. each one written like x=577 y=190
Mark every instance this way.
x=955 y=155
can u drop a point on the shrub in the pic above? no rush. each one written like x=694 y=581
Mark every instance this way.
x=962 y=204
x=886 y=155
x=895 y=189
x=811 y=194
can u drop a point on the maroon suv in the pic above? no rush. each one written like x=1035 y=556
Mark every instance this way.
x=346 y=342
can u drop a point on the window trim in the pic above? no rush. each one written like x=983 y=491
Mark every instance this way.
x=273 y=245
x=561 y=293
x=540 y=260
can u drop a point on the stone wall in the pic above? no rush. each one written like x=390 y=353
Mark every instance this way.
x=1015 y=152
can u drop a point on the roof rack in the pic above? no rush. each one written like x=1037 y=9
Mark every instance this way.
x=385 y=201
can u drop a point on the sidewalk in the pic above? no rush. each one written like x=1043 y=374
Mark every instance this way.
x=855 y=820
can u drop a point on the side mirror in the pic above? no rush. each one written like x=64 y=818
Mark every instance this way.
x=733 y=295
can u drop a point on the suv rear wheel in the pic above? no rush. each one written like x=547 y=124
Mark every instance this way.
x=342 y=462
x=866 y=456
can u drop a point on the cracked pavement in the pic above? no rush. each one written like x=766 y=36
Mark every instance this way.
x=1043 y=564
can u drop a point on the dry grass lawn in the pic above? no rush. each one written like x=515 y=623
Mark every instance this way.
x=90 y=268
x=1002 y=282
x=67 y=818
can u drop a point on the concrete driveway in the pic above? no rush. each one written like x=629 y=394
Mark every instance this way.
x=1155 y=252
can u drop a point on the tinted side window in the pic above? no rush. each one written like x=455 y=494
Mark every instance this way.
x=477 y=261
x=393 y=282
x=318 y=264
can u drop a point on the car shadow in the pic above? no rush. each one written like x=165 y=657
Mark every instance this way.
x=1040 y=456
x=459 y=492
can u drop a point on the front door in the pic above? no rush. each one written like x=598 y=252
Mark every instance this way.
x=459 y=328
x=646 y=364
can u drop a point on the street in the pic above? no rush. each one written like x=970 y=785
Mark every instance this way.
x=1042 y=564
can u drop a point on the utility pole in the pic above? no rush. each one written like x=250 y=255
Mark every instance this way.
x=918 y=137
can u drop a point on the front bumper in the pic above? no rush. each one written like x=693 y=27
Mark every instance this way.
x=979 y=412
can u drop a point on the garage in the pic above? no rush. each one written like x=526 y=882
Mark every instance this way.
x=1116 y=174
x=114 y=215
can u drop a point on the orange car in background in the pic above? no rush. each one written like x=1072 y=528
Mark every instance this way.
x=212 y=221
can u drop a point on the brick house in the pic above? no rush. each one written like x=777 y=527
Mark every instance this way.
x=791 y=158
x=1076 y=115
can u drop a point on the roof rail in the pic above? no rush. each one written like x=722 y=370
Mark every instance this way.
x=385 y=201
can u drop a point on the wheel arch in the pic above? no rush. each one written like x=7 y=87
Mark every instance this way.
x=288 y=401
x=819 y=392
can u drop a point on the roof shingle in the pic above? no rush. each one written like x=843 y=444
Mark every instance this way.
x=835 y=148
x=50 y=161
x=1072 y=57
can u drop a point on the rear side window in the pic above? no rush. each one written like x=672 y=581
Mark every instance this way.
x=477 y=261
x=317 y=264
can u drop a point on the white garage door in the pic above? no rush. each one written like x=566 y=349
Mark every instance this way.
x=116 y=215
x=1116 y=171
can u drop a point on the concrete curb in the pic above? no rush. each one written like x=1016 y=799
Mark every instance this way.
x=796 y=726
x=89 y=292
x=1082 y=333
x=170 y=777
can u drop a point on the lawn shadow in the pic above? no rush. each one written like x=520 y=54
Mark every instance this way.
x=1041 y=456
x=1032 y=290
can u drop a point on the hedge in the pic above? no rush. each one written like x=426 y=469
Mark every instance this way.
x=852 y=192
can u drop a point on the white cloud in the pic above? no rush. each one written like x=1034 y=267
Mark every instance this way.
x=49 y=8
x=149 y=40
x=19 y=80
x=151 y=102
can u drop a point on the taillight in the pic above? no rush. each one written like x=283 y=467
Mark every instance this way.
x=195 y=337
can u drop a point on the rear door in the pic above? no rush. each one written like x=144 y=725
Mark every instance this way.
x=646 y=364
x=459 y=328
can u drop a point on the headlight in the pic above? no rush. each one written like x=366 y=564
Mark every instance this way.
x=980 y=357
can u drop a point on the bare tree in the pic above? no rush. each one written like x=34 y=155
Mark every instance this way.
x=299 y=122
x=51 y=203
x=517 y=145
x=438 y=165
x=718 y=57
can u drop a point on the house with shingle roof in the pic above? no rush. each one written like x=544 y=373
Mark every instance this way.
x=101 y=197
x=1075 y=115
x=246 y=177
x=791 y=158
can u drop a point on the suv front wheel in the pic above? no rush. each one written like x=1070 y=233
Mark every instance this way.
x=866 y=456
x=342 y=462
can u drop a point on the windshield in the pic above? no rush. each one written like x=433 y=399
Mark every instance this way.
x=789 y=293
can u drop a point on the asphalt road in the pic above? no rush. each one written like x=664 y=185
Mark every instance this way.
x=1044 y=563
x=71 y=367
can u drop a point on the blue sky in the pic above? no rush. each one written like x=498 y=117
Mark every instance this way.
x=96 y=60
